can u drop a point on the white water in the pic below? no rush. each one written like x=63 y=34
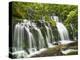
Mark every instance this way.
x=48 y=36
x=31 y=41
x=40 y=36
x=61 y=29
x=18 y=37
x=27 y=25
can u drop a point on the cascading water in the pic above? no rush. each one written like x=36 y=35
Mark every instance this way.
x=48 y=36
x=51 y=34
x=62 y=30
x=23 y=30
x=26 y=44
x=17 y=47
x=31 y=41
x=18 y=37
x=40 y=36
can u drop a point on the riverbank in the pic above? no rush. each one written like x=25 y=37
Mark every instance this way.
x=60 y=50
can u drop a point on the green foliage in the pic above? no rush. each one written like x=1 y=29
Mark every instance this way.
x=35 y=11
x=72 y=19
x=52 y=22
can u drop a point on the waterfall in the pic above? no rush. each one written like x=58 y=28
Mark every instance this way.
x=48 y=36
x=36 y=43
x=61 y=29
x=18 y=37
x=26 y=30
x=19 y=32
x=32 y=44
x=51 y=34
x=31 y=41
x=40 y=36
